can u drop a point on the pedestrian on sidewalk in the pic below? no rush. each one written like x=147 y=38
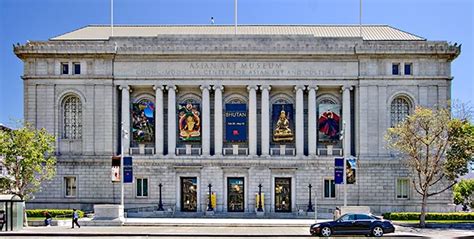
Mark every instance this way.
x=47 y=218
x=75 y=217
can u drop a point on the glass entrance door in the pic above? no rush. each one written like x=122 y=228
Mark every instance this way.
x=282 y=194
x=189 y=194
x=235 y=194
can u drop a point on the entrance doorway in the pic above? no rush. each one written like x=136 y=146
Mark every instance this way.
x=235 y=195
x=282 y=194
x=189 y=194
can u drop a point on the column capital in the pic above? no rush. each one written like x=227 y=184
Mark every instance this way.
x=172 y=87
x=265 y=87
x=346 y=87
x=252 y=87
x=122 y=87
x=299 y=87
x=205 y=87
x=158 y=87
x=218 y=87
x=312 y=87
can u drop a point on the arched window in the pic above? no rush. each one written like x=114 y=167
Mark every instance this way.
x=72 y=117
x=399 y=110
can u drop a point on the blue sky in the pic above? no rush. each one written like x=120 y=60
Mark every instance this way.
x=21 y=20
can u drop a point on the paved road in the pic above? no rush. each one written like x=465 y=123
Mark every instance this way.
x=132 y=232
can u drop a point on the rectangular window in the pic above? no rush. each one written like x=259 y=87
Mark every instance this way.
x=402 y=188
x=396 y=69
x=70 y=184
x=329 y=188
x=408 y=68
x=142 y=187
x=189 y=194
x=65 y=68
x=282 y=194
x=77 y=68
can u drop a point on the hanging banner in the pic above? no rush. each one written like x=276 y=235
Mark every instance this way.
x=329 y=122
x=115 y=173
x=339 y=171
x=189 y=122
x=127 y=170
x=351 y=166
x=235 y=122
x=143 y=121
x=282 y=122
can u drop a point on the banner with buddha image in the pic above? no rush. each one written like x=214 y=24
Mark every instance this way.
x=235 y=122
x=283 y=123
x=189 y=121
x=143 y=121
x=329 y=122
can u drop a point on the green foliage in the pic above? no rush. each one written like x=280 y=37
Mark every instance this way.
x=437 y=149
x=53 y=212
x=464 y=192
x=403 y=216
x=28 y=157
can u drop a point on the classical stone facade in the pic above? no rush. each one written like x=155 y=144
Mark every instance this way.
x=85 y=85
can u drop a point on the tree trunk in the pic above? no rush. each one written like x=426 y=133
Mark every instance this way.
x=423 y=210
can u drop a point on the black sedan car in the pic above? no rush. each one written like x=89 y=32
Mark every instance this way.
x=353 y=223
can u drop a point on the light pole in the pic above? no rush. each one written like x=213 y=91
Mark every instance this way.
x=260 y=208
x=310 y=205
x=160 y=203
x=209 y=206
x=346 y=153
x=123 y=136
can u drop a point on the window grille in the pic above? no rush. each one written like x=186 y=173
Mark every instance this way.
x=72 y=118
x=400 y=109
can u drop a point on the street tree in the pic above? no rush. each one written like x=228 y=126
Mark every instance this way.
x=28 y=158
x=435 y=147
x=464 y=193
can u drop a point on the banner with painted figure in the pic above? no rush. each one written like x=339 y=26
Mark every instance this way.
x=143 y=121
x=189 y=121
x=351 y=166
x=235 y=122
x=329 y=122
x=282 y=123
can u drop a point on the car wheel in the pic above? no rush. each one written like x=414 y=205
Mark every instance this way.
x=326 y=232
x=377 y=231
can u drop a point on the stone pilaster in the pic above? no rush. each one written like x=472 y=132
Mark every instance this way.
x=171 y=119
x=312 y=121
x=206 y=120
x=126 y=117
x=265 y=130
x=159 y=121
x=218 y=129
x=299 y=120
x=346 y=118
x=252 y=89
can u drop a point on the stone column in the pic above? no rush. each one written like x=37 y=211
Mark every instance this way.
x=312 y=121
x=171 y=119
x=126 y=117
x=159 y=123
x=346 y=119
x=206 y=120
x=265 y=119
x=218 y=129
x=252 y=119
x=299 y=120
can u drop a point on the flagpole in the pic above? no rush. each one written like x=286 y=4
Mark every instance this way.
x=235 y=17
x=112 y=16
x=360 y=18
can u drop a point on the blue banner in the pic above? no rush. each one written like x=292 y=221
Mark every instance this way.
x=338 y=170
x=282 y=123
x=127 y=170
x=235 y=122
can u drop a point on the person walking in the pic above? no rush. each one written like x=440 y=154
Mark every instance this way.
x=75 y=217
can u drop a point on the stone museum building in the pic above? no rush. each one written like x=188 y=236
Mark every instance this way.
x=266 y=108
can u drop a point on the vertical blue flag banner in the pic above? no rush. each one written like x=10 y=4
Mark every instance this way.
x=283 y=123
x=338 y=170
x=235 y=122
x=127 y=170
x=351 y=166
